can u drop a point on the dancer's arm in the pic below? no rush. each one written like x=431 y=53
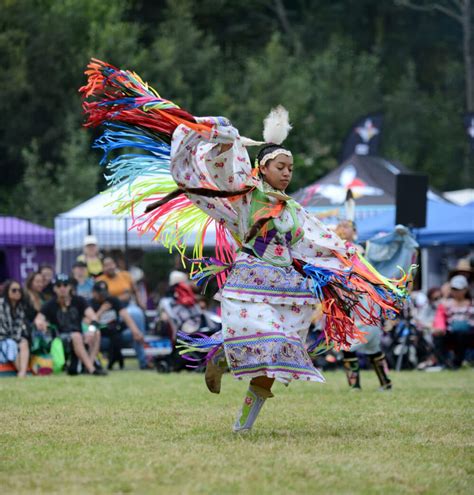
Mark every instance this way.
x=318 y=243
x=221 y=162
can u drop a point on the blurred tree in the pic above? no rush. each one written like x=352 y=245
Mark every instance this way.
x=52 y=188
x=461 y=12
x=183 y=59
x=45 y=46
x=424 y=131
x=328 y=61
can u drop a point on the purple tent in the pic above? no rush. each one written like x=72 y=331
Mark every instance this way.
x=23 y=247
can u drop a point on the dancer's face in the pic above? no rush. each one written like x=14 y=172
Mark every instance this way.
x=278 y=172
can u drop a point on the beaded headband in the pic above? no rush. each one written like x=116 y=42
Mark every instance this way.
x=274 y=154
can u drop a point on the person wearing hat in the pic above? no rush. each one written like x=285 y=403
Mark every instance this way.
x=176 y=277
x=91 y=256
x=463 y=267
x=66 y=312
x=111 y=313
x=454 y=319
x=83 y=282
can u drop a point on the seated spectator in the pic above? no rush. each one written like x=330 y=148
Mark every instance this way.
x=110 y=313
x=14 y=328
x=180 y=312
x=34 y=290
x=139 y=317
x=138 y=278
x=91 y=256
x=454 y=320
x=423 y=314
x=120 y=282
x=47 y=272
x=83 y=282
x=66 y=312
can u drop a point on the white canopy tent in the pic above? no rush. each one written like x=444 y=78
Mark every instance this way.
x=461 y=197
x=95 y=216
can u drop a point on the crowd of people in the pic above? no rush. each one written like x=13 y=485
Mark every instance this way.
x=94 y=306
x=98 y=307
x=444 y=320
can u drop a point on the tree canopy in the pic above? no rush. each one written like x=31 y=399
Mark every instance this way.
x=328 y=62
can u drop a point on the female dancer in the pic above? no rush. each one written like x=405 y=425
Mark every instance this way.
x=280 y=260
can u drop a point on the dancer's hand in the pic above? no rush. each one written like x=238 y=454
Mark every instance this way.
x=214 y=121
x=223 y=134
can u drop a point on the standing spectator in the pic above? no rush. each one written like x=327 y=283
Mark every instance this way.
x=14 y=328
x=83 y=282
x=120 y=283
x=91 y=256
x=34 y=290
x=47 y=272
x=66 y=313
x=424 y=313
x=454 y=319
x=110 y=313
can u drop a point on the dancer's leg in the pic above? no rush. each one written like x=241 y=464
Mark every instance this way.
x=253 y=402
x=263 y=382
x=352 y=368
x=381 y=367
x=215 y=368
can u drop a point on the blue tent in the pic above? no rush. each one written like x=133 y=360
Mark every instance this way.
x=447 y=224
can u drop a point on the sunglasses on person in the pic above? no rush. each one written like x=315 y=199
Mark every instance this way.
x=61 y=284
x=15 y=289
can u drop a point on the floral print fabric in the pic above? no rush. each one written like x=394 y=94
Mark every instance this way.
x=266 y=339
x=255 y=280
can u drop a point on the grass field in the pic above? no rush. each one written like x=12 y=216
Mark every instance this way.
x=145 y=433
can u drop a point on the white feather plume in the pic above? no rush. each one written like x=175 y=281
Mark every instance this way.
x=276 y=125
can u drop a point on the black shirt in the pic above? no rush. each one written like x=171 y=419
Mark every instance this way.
x=48 y=292
x=68 y=319
x=110 y=318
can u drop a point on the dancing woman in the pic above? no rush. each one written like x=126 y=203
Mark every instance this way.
x=273 y=261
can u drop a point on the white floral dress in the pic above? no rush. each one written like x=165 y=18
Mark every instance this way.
x=267 y=304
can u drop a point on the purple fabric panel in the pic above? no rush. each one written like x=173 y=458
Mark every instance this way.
x=261 y=243
x=20 y=261
x=17 y=232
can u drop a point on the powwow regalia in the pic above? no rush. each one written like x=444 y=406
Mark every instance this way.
x=178 y=174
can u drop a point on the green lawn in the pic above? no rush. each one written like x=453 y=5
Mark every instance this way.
x=141 y=432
